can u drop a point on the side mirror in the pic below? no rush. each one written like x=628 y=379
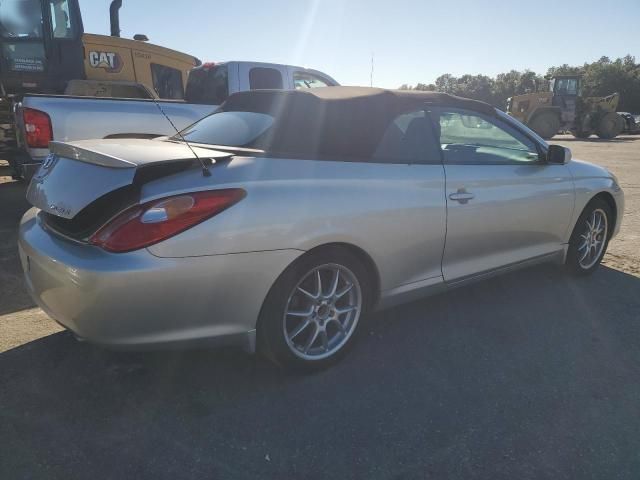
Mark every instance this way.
x=558 y=155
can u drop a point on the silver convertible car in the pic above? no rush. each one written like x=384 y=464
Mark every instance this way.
x=277 y=222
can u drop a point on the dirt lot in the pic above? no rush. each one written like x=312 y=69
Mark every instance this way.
x=483 y=382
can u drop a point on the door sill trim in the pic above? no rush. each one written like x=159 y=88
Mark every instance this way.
x=557 y=256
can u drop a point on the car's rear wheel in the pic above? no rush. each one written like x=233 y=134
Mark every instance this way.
x=312 y=313
x=590 y=238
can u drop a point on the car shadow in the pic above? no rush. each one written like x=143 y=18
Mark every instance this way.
x=519 y=374
x=13 y=204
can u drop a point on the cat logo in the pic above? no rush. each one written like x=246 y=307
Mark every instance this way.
x=110 y=61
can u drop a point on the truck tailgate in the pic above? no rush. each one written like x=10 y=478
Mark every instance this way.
x=83 y=118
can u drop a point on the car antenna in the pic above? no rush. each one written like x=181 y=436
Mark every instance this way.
x=203 y=164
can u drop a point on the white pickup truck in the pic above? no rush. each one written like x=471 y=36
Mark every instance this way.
x=43 y=118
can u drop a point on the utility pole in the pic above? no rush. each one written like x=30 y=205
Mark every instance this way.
x=371 y=76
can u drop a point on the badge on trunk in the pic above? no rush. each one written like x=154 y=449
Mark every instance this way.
x=49 y=161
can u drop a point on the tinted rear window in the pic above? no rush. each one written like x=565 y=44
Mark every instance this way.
x=167 y=81
x=209 y=86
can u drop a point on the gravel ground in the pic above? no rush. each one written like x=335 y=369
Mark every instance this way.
x=482 y=382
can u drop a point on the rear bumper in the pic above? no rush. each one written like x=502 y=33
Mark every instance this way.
x=137 y=300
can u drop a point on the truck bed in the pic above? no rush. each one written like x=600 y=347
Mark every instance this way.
x=81 y=118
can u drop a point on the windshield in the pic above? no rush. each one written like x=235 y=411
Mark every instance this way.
x=20 y=19
x=566 y=86
x=234 y=129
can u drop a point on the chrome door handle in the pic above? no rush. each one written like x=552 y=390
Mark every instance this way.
x=462 y=196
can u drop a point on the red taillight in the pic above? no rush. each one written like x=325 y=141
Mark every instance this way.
x=37 y=127
x=152 y=222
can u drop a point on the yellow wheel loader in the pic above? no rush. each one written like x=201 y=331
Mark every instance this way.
x=563 y=108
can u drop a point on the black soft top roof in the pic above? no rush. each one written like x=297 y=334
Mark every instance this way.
x=336 y=121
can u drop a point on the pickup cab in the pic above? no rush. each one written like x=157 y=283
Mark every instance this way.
x=65 y=118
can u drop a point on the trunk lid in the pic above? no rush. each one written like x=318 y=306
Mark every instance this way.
x=77 y=174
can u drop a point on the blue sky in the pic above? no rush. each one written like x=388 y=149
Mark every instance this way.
x=411 y=41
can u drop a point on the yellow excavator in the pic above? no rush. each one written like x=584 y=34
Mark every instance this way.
x=563 y=108
x=44 y=49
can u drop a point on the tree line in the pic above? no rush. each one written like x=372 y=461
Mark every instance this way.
x=599 y=78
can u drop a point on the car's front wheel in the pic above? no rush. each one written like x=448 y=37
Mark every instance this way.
x=590 y=238
x=313 y=311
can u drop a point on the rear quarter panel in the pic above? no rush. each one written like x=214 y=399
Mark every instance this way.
x=395 y=213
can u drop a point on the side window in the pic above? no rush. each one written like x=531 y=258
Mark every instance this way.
x=167 y=81
x=408 y=139
x=60 y=19
x=261 y=78
x=302 y=80
x=472 y=138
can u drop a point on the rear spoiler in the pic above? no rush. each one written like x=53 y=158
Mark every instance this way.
x=139 y=153
x=89 y=156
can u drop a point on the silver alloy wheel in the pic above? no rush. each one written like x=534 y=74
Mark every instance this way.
x=322 y=312
x=593 y=239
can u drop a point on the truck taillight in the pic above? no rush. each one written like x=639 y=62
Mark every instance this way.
x=143 y=225
x=37 y=127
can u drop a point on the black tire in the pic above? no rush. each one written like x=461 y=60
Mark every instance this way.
x=272 y=339
x=574 y=254
x=610 y=126
x=545 y=124
x=581 y=133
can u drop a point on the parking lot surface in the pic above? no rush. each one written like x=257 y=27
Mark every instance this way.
x=531 y=375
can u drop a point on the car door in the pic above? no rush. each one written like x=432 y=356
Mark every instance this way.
x=505 y=203
x=407 y=183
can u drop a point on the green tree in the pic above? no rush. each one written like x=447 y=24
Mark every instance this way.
x=425 y=88
x=446 y=83
x=479 y=87
x=600 y=78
